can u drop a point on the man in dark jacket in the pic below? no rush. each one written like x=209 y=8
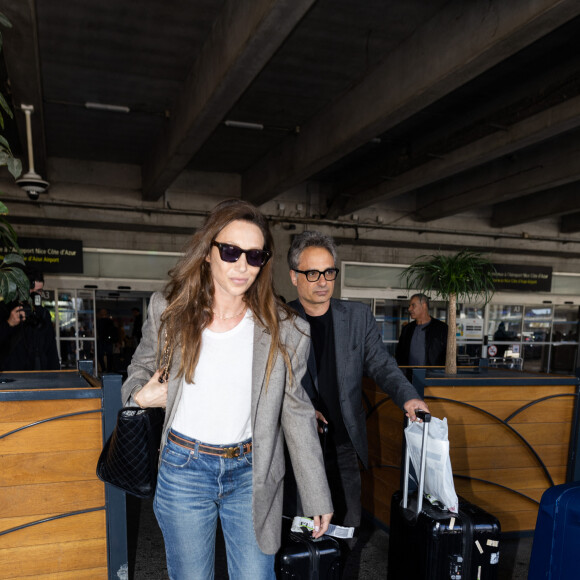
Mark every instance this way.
x=27 y=339
x=423 y=342
x=346 y=344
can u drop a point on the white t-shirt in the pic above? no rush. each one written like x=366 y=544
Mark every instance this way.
x=216 y=408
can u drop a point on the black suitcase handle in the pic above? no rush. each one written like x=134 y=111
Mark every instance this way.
x=423 y=415
x=426 y=418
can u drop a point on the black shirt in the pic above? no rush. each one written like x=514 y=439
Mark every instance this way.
x=322 y=332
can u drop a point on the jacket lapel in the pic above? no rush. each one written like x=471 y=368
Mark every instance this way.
x=262 y=340
x=341 y=334
x=311 y=363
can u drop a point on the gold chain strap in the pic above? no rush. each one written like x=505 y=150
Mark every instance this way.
x=166 y=358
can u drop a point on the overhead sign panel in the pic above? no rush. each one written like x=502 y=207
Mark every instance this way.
x=522 y=278
x=51 y=256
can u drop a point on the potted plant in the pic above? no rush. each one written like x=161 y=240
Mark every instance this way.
x=14 y=284
x=463 y=276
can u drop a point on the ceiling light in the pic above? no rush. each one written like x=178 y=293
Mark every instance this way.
x=106 y=107
x=31 y=182
x=244 y=125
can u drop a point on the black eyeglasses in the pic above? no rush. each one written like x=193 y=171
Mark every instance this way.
x=330 y=274
x=231 y=253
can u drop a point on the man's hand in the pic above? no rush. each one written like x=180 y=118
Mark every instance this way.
x=321 y=524
x=153 y=394
x=413 y=404
x=17 y=315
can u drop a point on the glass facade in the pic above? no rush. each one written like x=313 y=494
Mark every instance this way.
x=520 y=331
x=544 y=336
x=73 y=314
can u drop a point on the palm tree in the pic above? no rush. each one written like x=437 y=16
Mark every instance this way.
x=465 y=276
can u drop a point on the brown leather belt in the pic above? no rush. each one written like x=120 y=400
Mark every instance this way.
x=229 y=452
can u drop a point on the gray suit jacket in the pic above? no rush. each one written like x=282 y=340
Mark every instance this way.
x=279 y=411
x=360 y=352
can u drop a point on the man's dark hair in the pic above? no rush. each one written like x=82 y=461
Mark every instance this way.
x=423 y=299
x=310 y=240
x=34 y=276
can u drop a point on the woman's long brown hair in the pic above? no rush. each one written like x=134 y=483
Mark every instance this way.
x=190 y=291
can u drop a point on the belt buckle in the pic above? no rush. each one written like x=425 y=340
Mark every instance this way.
x=231 y=452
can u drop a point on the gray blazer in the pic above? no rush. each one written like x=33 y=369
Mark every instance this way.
x=360 y=352
x=279 y=412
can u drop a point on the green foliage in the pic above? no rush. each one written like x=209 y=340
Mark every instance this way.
x=13 y=164
x=7 y=234
x=5 y=22
x=467 y=275
x=14 y=284
x=6 y=157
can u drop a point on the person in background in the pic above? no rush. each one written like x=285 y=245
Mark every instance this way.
x=27 y=339
x=107 y=336
x=501 y=335
x=423 y=342
x=346 y=345
x=136 y=331
x=233 y=396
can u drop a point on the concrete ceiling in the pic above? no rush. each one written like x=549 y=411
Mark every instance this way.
x=467 y=105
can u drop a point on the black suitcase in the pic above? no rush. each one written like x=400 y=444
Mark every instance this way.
x=302 y=557
x=428 y=542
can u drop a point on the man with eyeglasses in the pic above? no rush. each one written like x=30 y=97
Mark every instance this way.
x=346 y=345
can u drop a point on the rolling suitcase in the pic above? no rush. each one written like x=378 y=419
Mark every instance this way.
x=428 y=542
x=302 y=558
x=557 y=535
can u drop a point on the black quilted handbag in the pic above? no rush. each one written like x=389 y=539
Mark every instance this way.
x=130 y=456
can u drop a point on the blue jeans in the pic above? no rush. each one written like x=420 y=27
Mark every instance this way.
x=193 y=489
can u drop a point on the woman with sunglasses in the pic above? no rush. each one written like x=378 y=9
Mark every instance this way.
x=233 y=396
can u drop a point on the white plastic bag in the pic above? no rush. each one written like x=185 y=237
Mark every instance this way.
x=438 y=473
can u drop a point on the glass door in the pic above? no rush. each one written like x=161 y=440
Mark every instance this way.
x=72 y=312
x=119 y=319
x=564 y=353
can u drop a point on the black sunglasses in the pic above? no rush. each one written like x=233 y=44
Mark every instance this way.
x=329 y=274
x=231 y=253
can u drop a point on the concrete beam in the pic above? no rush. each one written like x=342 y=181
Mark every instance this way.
x=243 y=39
x=107 y=226
x=531 y=131
x=537 y=206
x=523 y=174
x=422 y=70
x=570 y=224
x=459 y=244
x=23 y=66
x=526 y=97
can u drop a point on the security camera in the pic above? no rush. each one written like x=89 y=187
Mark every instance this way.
x=33 y=185
x=32 y=194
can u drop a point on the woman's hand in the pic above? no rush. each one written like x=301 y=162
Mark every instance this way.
x=321 y=524
x=320 y=419
x=153 y=394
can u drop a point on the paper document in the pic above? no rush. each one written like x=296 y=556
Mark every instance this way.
x=299 y=523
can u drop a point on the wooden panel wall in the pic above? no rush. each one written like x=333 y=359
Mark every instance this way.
x=492 y=465
x=48 y=470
